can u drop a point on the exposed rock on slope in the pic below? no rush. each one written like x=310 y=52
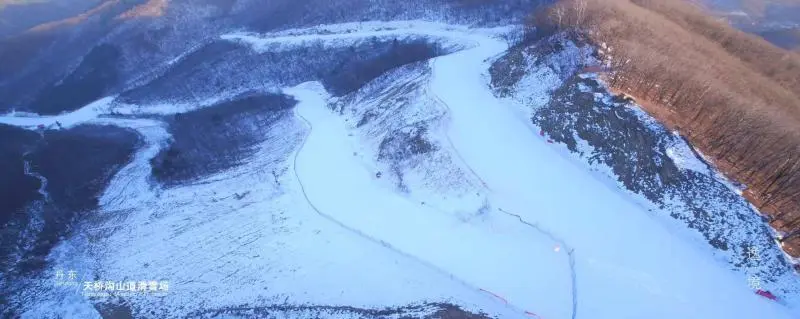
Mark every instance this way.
x=615 y=137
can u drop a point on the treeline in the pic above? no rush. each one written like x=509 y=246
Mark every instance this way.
x=735 y=96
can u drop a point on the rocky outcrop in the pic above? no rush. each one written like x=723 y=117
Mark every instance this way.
x=613 y=135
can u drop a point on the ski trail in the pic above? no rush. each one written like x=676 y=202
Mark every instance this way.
x=570 y=251
x=530 y=177
x=358 y=219
x=263 y=44
x=302 y=94
x=449 y=140
x=535 y=227
x=299 y=95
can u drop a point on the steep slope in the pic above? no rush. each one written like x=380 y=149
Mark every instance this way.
x=612 y=134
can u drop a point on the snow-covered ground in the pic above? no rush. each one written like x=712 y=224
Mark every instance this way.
x=66 y=120
x=546 y=239
x=628 y=265
x=338 y=186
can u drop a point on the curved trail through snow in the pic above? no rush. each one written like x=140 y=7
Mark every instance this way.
x=343 y=192
x=626 y=257
x=307 y=95
x=570 y=250
x=463 y=37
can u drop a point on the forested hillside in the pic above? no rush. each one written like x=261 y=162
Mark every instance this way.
x=735 y=96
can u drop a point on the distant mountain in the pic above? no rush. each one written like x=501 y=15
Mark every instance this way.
x=786 y=38
x=778 y=21
x=16 y=16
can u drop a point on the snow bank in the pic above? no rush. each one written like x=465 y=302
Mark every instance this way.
x=683 y=156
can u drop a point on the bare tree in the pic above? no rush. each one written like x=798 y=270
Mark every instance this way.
x=557 y=15
x=580 y=11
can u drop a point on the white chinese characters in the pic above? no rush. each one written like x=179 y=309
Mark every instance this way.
x=754 y=282
x=752 y=254
x=68 y=278
x=126 y=286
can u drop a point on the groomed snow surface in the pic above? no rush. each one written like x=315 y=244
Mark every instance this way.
x=550 y=242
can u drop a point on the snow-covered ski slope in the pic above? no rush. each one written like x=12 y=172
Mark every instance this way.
x=627 y=265
x=552 y=242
